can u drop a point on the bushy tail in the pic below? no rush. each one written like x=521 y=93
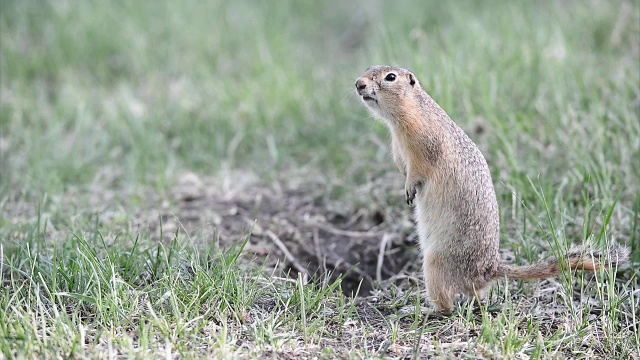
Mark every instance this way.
x=578 y=258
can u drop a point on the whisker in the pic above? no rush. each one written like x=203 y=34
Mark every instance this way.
x=348 y=95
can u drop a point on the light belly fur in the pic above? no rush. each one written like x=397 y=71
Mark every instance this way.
x=434 y=222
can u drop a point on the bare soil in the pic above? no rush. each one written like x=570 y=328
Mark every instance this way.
x=297 y=228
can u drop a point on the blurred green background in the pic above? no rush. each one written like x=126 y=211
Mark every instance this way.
x=126 y=93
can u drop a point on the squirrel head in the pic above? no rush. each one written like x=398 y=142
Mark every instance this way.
x=388 y=91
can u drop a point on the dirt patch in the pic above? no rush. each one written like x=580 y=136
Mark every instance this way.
x=297 y=227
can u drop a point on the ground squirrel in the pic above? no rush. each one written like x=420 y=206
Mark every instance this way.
x=456 y=210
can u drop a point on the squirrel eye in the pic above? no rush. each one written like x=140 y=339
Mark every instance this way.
x=390 y=77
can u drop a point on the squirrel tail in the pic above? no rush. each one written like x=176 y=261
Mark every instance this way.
x=578 y=258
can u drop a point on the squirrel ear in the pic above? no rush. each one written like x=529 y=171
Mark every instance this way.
x=412 y=80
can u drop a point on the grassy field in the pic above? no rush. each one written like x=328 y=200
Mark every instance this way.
x=165 y=165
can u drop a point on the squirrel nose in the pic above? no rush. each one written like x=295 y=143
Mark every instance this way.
x=360 y=84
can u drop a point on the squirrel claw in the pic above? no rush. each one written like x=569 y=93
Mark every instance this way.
x=410 y=195
x=411 y=191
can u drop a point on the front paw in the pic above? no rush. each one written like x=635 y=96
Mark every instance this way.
x=410 y=189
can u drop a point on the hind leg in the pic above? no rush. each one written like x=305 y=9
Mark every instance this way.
x=479 y=289
x=479 y=294
x=475 y=296
x=443 y=302
x=440 y=288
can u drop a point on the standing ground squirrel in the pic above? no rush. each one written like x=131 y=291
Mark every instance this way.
x=455 y=204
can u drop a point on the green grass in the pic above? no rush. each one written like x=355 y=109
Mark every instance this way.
x=105 y=105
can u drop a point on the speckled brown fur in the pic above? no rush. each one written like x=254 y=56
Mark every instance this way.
x=455 y=204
